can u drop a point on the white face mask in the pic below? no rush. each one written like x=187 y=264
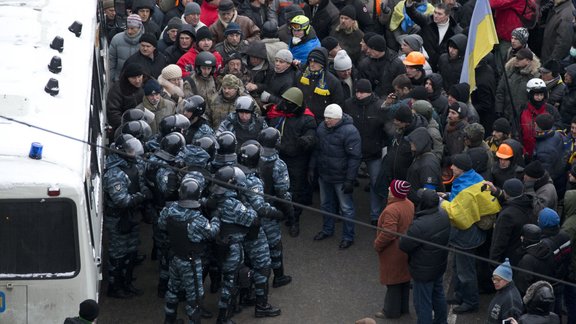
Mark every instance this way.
x=296 y=40
x=572 y=51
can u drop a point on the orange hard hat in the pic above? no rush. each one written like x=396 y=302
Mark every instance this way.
x=505 y=151
x=415 y=58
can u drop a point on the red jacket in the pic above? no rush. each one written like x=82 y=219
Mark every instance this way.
x=208 y=13
x=190 y=57
x=506 y=14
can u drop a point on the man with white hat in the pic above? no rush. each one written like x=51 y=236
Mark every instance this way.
x=336 y=159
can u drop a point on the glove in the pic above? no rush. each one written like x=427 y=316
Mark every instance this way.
x=138 y=198
x=274 y=213
x=265 y=96
x=348 y=187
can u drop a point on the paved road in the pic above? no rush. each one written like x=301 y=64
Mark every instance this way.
x=329 y=285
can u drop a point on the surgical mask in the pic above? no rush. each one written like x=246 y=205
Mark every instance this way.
x=572 y=51
x=296 y=40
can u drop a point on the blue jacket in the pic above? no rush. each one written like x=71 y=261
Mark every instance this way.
x=339 y=151
x=550 y=151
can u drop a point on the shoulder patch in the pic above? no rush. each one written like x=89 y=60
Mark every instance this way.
x=117 y=187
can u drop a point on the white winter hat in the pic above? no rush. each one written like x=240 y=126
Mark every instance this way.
x=342 y=61
x=333 y=111
x=171 y=71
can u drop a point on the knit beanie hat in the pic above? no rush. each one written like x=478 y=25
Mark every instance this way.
x=513 y=187
x=174 y=23
x=400 y=188
x=418 y=93
x=414 y=41
x=521 y=34
x=133 y=69
x=545 y=121
x=534 y=169
x=367 y=37
x=460 y=92
x=89 y=310
x=403 y=114
x=329 y=43
x=424 y=108
x=292 y=11
x=342 y=61
x=547 y=218
x=231 y=81
x=317 y=56
x=551 y=66
x=377 y=43
x=226 y=5
x=152 y=87
x=460 y=108
x=149 y=38
x=134 y=21
x=192 y=8
x=171 y=71
x=232 y=28
x=501 y=125
x=363 y=85
x=348 y=11
x=462 y=161
x=504 y=271
x=333 y=111
x=531 y=233
x=524 y=53
x=203 y=33
x=284 y=55
x=270 y=29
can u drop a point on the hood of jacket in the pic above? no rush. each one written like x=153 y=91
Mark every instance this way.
x=539 y=298
x=459 y=40
x=437 y=82
x=570 y=203
x=421 y=140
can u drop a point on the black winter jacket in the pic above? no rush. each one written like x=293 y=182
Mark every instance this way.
x=538 y=259
x=425 y=170
x=381 y=72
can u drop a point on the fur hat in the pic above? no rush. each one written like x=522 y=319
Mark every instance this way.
x=462 y=161
x=504 y=271
x=400 y=188
x=149 y=38
x=171 y=71
x=333 y=111
x=89 y=310
x=192 y=8
x=342 y=61
x=534 y=169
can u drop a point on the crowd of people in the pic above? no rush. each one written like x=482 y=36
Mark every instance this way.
x=224 y=112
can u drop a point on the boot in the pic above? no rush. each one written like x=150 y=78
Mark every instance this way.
x=223 y=317
x=130 y=264
x=162 y=287
x=195 y=317
x=245 y=297
x=295 y=224
x=116 y=280
x=263 y=308
x=280 y=279
x=170 y=318
x=205 y=312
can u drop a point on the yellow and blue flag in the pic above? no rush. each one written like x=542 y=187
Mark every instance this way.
x=481 y=40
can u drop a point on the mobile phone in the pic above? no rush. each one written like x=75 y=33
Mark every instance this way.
x=507 y=321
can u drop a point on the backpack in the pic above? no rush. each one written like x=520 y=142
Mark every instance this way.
x=530 y=16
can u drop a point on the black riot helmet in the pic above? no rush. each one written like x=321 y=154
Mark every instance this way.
x=134 y=114
x=196 y=105
x=245 y=104
x=129 y=145
x=249 y=155
x=209 y=144
x=172 y=143
x=226 y=143
x=173 y=123
x=189 y=193
x=204 y=59
x=137 y=128
x=269 y=137
x=224 y=175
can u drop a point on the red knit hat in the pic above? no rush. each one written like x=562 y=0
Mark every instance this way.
x=400 y=188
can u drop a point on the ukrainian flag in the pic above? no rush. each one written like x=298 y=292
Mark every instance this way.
x=481 y=40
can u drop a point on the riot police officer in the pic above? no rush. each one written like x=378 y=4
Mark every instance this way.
x=244 y=123
x=194 y=107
